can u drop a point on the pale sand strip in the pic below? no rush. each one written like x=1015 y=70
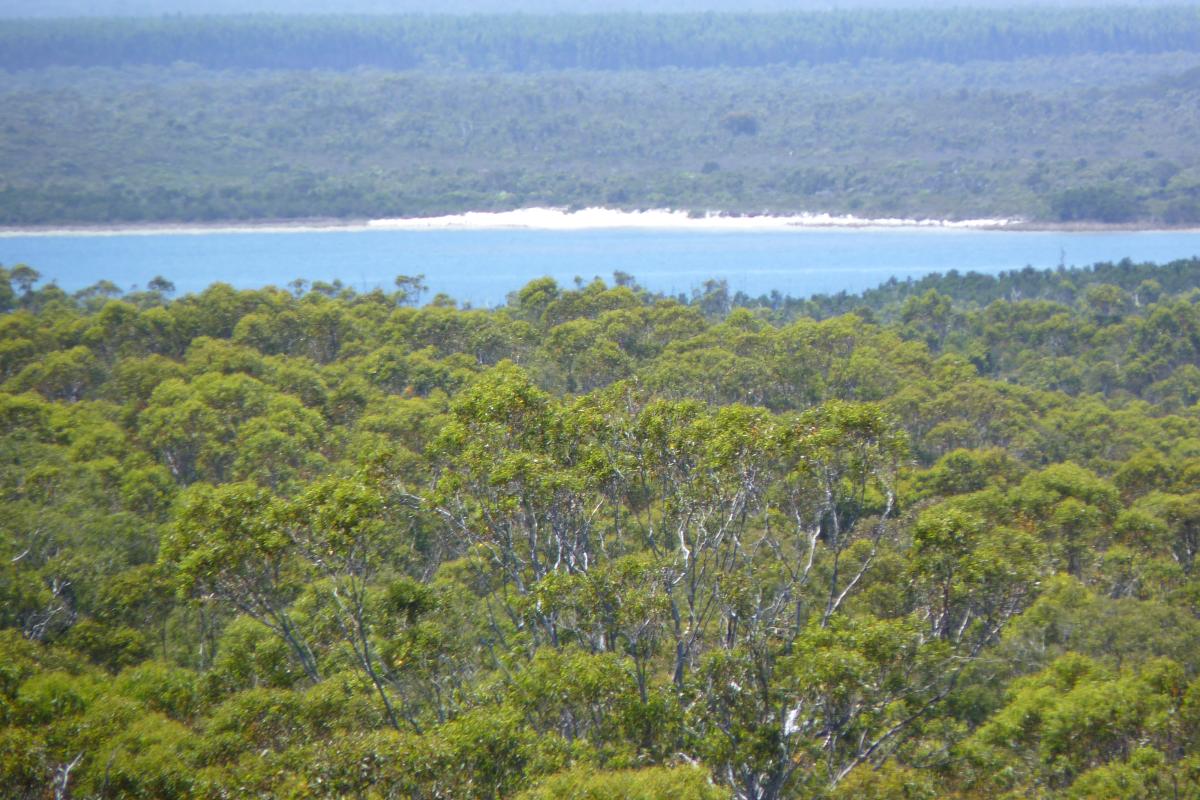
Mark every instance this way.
x=660 y=219
x=554 y=219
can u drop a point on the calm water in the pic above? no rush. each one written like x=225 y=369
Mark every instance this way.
x=482 y=266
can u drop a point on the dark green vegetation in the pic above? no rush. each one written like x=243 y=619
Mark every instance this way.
x=1059 y=115
x=603 y=544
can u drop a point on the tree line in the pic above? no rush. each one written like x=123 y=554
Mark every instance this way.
x=595 y=41
x=1104 y=138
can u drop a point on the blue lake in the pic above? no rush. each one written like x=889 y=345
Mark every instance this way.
x=482 y=266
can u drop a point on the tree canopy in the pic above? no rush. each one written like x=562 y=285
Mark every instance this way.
x=937 y=540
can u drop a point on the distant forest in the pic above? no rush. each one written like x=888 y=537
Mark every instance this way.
x=1067 y=115
x=596 y=42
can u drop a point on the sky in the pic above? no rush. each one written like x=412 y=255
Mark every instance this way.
x=60 y=8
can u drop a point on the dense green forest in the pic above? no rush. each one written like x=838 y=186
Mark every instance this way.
x=937 y=540
x=1059 y=115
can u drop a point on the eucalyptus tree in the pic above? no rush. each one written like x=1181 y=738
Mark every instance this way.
x=515 y=481
x=224 y=545
x=348 y=533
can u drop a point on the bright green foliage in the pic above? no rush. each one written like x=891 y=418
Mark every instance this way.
x=1076 y=716
x=658 y=783
x=599 y=543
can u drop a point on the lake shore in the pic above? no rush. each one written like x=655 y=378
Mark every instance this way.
x=557 y=219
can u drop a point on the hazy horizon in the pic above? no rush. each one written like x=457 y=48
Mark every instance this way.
x=101 y=8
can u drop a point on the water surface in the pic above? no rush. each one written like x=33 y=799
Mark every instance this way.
x=482 y=266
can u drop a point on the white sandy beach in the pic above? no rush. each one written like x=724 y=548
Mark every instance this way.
x=660 y=219
x=550 y=219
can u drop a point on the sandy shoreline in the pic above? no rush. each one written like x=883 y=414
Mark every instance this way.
x=660 y=219
x=553 y=219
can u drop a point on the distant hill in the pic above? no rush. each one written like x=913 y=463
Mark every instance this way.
x=1065 y=115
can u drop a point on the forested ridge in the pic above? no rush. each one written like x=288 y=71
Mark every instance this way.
x=517 y=42
x=1060 y=115
x=937 y=540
